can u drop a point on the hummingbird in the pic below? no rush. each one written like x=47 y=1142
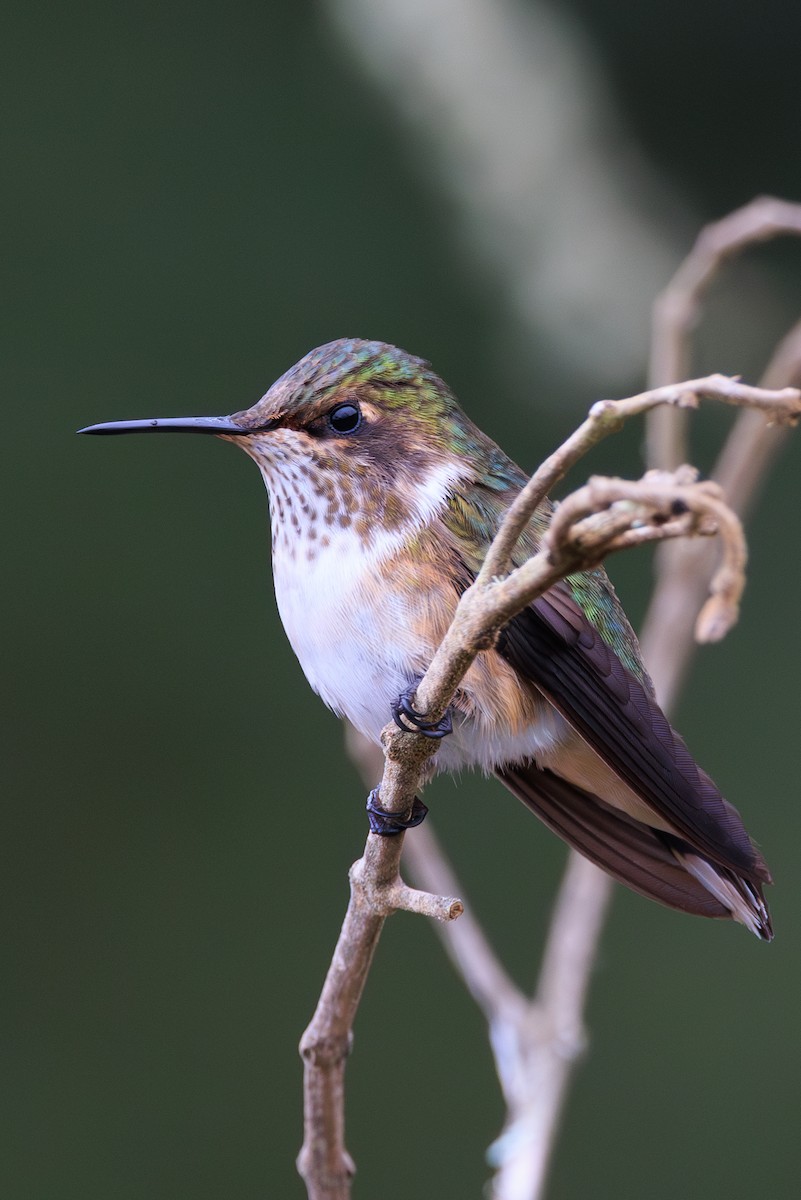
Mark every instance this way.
x=384 y=498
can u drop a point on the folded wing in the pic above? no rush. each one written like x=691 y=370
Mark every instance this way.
x=555 y=647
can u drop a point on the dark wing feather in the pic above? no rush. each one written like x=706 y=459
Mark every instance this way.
x=555 y=647
x=634 y=854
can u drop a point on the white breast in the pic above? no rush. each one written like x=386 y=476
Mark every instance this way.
x=356 y=637
x=351 y=635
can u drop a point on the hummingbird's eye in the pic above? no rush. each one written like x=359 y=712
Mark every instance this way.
x=345 y=418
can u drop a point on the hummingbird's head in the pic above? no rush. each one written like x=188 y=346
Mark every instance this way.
x=359 y=433
x=366 y=432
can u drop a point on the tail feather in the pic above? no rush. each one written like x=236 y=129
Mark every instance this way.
x=655 y=864
x=743 y=899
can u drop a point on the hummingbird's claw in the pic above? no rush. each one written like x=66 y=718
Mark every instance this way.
x=387 y=824
x=403 y=712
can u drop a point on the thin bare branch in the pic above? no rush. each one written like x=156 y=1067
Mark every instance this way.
x=649 y=504
x=376 y=891
x=535 y=1058
x=782 y=406
x=677 y=310
x=683 y=569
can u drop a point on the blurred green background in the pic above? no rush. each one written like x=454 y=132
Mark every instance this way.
x=193 y=197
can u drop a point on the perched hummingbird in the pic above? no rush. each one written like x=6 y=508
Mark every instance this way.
x=384 y=498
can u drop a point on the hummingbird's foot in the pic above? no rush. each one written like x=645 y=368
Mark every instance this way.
x=387 y=824
x=402 y=712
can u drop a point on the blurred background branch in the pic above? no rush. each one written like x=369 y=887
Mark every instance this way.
x=508 y=104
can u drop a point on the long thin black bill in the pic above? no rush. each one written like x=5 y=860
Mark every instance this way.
x=169 y=425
